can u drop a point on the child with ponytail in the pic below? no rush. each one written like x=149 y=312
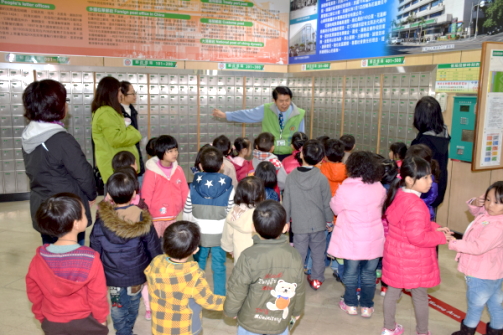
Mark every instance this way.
x=410 y=260
x=242 y=149
x=294 y=161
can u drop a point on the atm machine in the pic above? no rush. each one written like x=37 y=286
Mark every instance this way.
x=462 y=129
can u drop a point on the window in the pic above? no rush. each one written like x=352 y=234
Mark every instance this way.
x=425 y=7
x=436 y=14
x=436 y=2
x=415 y=2
x=406 y=6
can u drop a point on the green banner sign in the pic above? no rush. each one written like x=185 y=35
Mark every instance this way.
x=240 y=66
x=317 y=66
x=25 y=4
x=383 y=61
x=153 y=63
x=232 y=43
x=459 y=65
x=227 y=22
x=497 y=53
x=229 y=2
x=137 y=13
x=36 y=59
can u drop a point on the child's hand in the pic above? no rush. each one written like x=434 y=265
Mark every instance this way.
x=329 y=226
x=450 y=238
x=232 y=254
x=444 y=230
x=479 y=202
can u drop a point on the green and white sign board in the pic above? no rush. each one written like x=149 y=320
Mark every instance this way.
x=36 y=59
x=240 y=66
x=315 y=66
x=149 y=63
x=383 y=61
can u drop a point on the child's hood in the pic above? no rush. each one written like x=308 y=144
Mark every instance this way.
x=153 y=165
x=211 y=185
x=262 y=156
x=335 y=172
x=305 y=180
x=57 y=287
x=123 y=224
x=241 y=218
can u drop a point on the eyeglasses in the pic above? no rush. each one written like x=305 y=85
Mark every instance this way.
x=134 y=93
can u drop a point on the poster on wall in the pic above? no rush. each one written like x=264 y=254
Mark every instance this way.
x=331 y=30
x=251 y=31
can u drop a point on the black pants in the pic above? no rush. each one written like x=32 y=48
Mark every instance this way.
x=87 y=326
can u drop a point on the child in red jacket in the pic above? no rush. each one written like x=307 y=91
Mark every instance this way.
x=65 y=281
x=410 y=260
x=164 y=186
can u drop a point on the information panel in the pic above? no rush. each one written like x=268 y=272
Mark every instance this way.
x=336 y=30
x=252 y=31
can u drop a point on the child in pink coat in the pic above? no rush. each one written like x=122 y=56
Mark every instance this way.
x=480 y=257
x=410 y=260
x=358 y=236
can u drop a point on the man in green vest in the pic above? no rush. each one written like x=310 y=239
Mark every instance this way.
x=282 y=118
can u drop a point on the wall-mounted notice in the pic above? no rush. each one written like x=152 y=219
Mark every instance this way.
x=315 y=67
x=149 y=63
x=36 y=59
x=240 y=66
x=383 y=61
x=458 y=77
x=253 y=31
x=493 y=121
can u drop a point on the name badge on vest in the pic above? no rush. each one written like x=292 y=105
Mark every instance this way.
x=280 y=143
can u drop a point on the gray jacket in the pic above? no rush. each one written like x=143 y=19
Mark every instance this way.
x=307 y=200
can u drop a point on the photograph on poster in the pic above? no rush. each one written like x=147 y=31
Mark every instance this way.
x=377 y=28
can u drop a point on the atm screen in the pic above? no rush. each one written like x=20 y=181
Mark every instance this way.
x=464 y=108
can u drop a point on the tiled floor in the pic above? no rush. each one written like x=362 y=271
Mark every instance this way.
x=322 y=315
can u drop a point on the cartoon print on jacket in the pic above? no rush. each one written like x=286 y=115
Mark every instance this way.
x=283 y=293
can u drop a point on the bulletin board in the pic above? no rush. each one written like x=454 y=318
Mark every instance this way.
x=487 y=147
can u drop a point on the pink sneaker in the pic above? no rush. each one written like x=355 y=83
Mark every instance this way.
x=367 y=312
x=148 y=315
x=397 y=331
x=351 y=310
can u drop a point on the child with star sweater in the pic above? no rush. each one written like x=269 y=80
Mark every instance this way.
x=211 y=197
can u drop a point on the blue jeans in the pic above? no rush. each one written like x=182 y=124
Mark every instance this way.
x=482 y=292
x=124 y=317
x=242 y=331
x=217 y=266
x=366 y=270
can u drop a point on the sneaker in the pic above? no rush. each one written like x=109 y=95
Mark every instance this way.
x=148 y=315
x=367 y=312
x=397 y=331
x=383 y=291
x=314 y=283
x=351 y=310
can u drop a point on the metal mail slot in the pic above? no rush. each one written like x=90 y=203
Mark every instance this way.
x=9 y=182
x=192 y=80
x=183 y=80
x=173 y=79
x=154 y=79
x=154 y=109
x=142 y=89
x=183 y=89
x=163 y=79
x=154 y=99
x=131 y=77
x=142 y=78
x=163 y=109
x=142 y=109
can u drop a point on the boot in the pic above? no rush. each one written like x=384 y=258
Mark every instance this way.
x=490 y=331
x=465 y=330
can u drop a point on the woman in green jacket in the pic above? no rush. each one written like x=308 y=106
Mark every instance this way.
x=111 y=133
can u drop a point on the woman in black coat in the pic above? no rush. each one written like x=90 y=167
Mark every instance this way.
x=53 y=159
x=428 y=120
x=130 y=113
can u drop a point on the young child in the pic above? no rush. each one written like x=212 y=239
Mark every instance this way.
x=238 y=228
x=266 y=287
x=397 y=152
x=349 y=144
x=195 y=168
x=293 y=161
x=65 y=281
x=178 y=288
x=264 y=146
x=266 y=172
x=223 y=144
x=123 y=159
x=211 y=197
x=307 y=204
x=126 y=240
x=358 y=236
x=390 y=173
x=242 y=149
x=165 y=188
x=150 y=147
x=423 y=151
x=410 y=260
x=480 y=257
x=335 y=171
